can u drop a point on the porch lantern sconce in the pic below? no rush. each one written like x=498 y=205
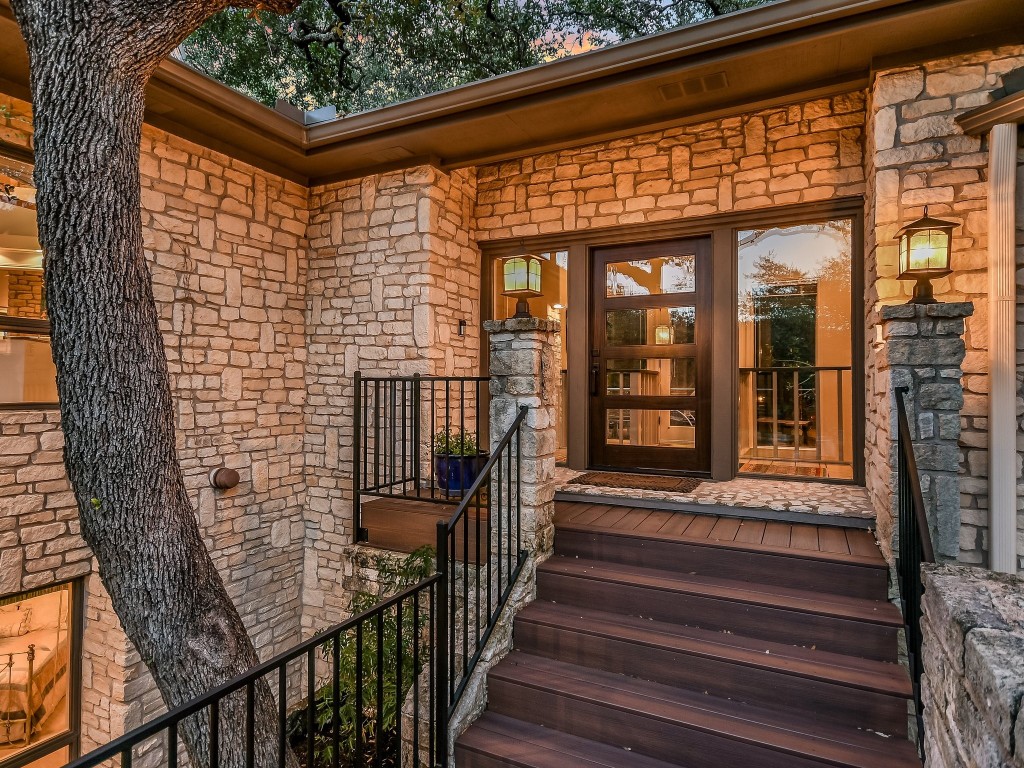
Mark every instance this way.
x=924 y=254
x=662 y=334
x=522 y=281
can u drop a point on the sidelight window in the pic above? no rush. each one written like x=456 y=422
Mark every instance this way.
x=795 y=345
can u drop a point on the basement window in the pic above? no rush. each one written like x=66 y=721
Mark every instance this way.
x=40 y=647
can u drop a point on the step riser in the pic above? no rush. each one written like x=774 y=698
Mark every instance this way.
x=870 y=641
x=681 y=557
x=672 y=742
x=825 y=701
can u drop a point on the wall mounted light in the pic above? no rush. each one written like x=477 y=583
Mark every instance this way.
x=223 y=478
x=662 y=334
x=522 y=281
x=925 y=247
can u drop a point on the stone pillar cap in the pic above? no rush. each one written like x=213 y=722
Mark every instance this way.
x=941 y=309
x=520 y=324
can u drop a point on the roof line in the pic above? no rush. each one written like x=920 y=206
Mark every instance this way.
x=1009 y=109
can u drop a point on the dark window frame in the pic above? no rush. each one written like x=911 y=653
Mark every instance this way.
x=73 y=737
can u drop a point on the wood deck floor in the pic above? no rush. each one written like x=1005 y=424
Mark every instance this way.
x=403 y=525
x=683 y=526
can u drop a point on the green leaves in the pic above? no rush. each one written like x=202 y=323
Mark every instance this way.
x=358 y=659
x=455 y=442
x=364 y=54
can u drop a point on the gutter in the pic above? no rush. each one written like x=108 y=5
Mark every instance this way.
x=777 y=18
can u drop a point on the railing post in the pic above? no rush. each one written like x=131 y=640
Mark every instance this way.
x=441 y=650
x=358 y=532
x=416 y=434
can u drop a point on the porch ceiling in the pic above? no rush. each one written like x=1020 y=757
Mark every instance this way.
x=769 y=55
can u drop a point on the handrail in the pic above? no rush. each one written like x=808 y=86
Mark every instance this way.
x=169 y=721
x=394 y=421
x=495 y=492
x=913 y=548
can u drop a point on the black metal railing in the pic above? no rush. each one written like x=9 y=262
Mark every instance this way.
x=913 y=548
x=362 y=693
x=480 y=556
x=799 y=412
x=395 y=422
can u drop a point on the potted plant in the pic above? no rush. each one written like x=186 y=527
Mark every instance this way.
x=457 y=460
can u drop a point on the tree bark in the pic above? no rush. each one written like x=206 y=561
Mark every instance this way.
x=90 y=63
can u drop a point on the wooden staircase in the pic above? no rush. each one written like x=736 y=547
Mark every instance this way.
x=648 y=648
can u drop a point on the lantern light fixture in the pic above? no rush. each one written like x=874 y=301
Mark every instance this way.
x=925 y=247
x=522 y=281
x=662 y=334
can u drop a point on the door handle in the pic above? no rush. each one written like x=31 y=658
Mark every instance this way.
x=595 y=378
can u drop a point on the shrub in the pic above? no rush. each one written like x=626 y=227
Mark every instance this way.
x=393 y=577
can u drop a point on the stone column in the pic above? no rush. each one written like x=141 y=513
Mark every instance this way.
x=923 y=350
x=524 y=355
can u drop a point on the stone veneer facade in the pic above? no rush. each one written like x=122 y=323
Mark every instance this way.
x=918 y=156
x=272 y=296
x=226 y=245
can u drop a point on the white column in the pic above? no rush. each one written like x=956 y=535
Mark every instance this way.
x=1002 y=350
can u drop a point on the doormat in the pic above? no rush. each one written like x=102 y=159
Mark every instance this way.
x=782 y=469
x=638 y=482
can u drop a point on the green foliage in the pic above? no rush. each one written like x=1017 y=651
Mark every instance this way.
x=455 y=442
x=364 y=54
x=392 y=578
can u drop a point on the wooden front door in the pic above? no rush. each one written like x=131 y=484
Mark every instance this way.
x=650 y=357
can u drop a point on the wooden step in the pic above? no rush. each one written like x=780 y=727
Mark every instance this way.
x=854 y=575
x=679 y=727
x=495 y=741
x=842 y=690
x=833 y=623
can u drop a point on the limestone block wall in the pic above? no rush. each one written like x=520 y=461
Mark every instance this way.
x=227 y=247
x=392 y=271
x=917 y=156
x=24 y=293
x=801 y=153
x=973 y=630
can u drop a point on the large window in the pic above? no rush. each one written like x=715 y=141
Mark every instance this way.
x=27 y=375
x=795 y=346
x=39 y=649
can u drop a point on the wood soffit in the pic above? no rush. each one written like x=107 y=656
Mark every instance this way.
x=768 y=56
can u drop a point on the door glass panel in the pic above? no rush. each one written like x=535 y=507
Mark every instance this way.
x=656 y=325
x=674 y=428
x=652 y=277
x=795 y=345
x=653 y=376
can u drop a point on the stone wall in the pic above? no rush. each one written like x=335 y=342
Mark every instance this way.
x=801 y=153
x=918 y=156
x=392 y=271
x=973 y=683
x=226 y=244
x=24 y=292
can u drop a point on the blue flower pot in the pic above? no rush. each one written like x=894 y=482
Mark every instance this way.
x=455 y=474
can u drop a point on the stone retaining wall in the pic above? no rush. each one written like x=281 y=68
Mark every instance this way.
x=974 y=680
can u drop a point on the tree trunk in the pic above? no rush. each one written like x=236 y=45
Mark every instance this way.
x=89 y=69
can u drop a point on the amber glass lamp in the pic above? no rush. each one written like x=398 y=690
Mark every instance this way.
x=925 y=247
x=521 y=275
